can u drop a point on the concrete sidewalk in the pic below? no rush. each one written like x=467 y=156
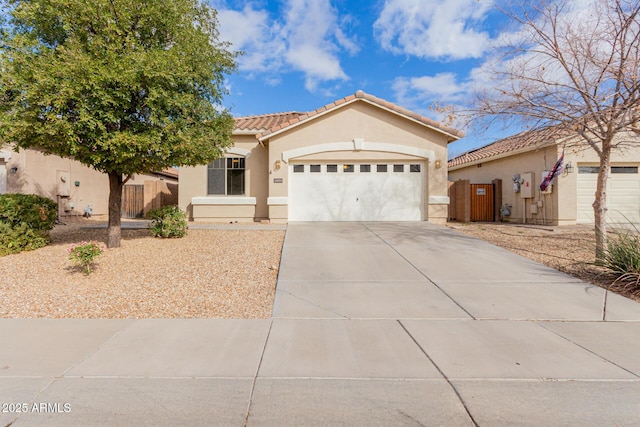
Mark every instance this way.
x=373 y=324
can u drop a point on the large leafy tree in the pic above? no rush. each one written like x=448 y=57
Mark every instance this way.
x=124 y=86
x=570 y=68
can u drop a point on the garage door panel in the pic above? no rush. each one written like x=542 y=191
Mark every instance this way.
x=623 y=197
x=356 y=196
x=623 y=185
x=316 y=199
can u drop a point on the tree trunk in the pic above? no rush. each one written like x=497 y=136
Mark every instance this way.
x=600 y=204
x=115 y=207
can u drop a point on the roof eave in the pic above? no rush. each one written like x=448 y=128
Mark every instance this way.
x=247 y=131
x=506 y=154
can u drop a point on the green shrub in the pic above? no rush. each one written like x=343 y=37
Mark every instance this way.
x=37 y=212
x=168 y=221
x=21 y=238
x=622 y=257
x=25 y=222
x=83 y=254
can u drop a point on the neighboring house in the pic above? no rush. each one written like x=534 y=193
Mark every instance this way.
x=76 y=187
x=569 y=200
x=359 y=158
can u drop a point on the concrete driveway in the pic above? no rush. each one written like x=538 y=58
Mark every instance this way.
x=373 y=324
x=449 y=330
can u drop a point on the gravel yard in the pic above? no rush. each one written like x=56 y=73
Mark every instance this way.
x=207 y=274
x=570 y=248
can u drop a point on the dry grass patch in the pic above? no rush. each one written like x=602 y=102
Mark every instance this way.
x=207 y=274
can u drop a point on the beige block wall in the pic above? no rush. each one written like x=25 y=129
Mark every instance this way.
x=373 y=125
x=40 y=174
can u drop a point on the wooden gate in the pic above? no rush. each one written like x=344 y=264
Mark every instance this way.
x=482 y=206
x=133 y=201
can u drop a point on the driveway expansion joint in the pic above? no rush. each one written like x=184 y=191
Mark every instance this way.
x=313 y=304
x=420 y=272
x=587 y=350
x=453 y=387
x=255 y=377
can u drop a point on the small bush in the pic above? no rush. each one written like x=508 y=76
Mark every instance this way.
x=37 y=212
x=25 y=222
x=84 y=254
x=168 y=222
x=622 y=258
x=21 y=238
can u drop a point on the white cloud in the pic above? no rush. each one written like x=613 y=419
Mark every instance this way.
x=251 y=31
x=307 y=38
x=308 y=30
x=442 y=88
x=436 y=96
x=441 y=29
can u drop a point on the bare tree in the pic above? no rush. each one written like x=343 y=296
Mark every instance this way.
x=570 y=64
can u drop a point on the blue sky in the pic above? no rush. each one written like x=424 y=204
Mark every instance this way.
x=303 y=54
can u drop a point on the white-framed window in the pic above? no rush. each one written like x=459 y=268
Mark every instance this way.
x=226 y=176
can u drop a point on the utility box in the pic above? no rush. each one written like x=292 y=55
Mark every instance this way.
x=63 y=187
x=526 y=190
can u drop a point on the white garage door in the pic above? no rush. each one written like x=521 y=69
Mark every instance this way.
x=623 y=194
x=356 y=192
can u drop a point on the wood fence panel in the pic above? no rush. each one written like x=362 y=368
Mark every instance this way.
x=482 y=205
x=132 y=201
x=463 y=202
x=452 y=201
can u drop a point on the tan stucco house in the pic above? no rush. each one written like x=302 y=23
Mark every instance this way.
x=76 y=187
x=359 y=158
x=521 y=162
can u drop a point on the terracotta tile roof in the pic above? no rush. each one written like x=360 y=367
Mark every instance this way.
x=524 y=141
x=264 y=121
x=170 y=172
x=270 y=123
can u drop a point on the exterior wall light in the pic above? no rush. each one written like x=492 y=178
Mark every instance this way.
x=568 y=167
x=277 y=165
x=438 y=164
